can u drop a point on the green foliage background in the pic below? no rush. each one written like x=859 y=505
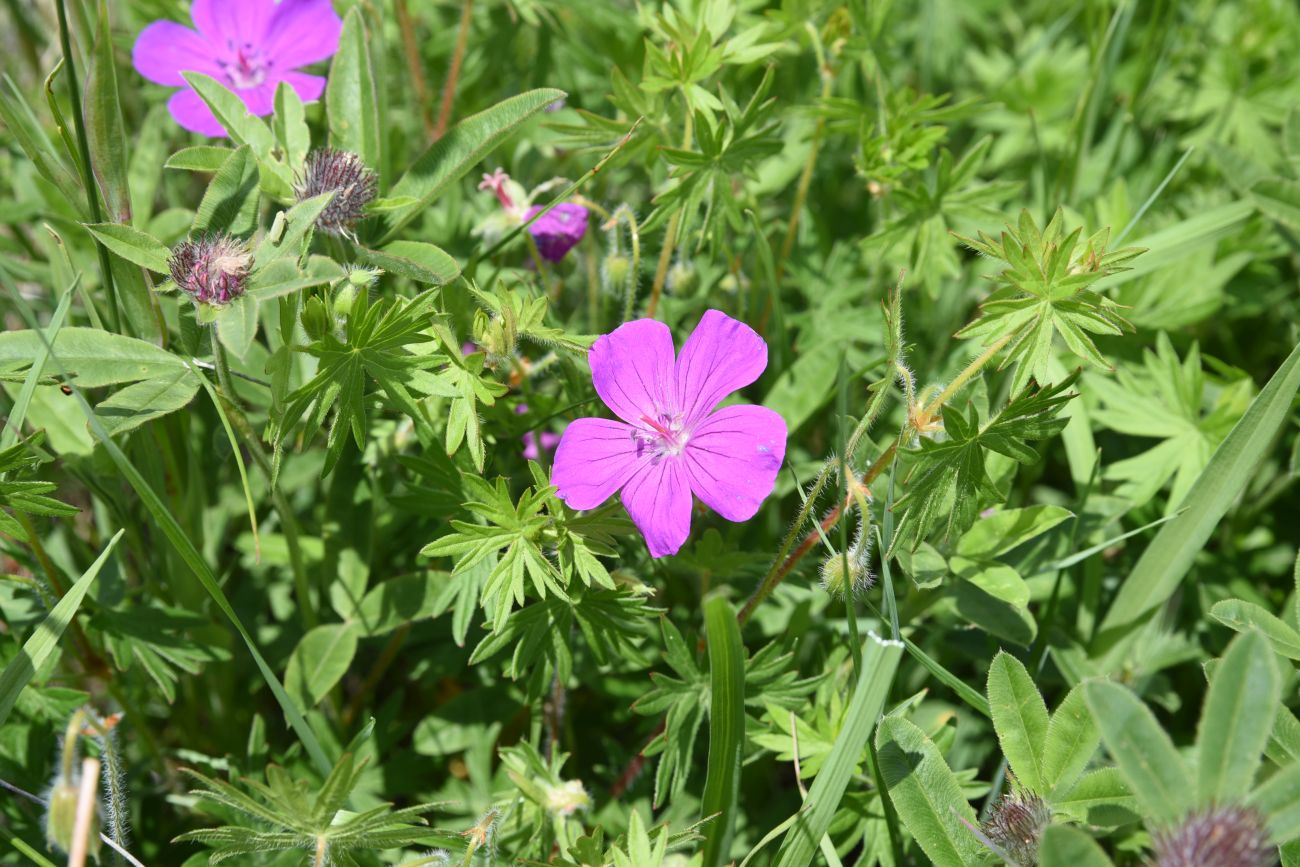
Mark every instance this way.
x=1028 y=276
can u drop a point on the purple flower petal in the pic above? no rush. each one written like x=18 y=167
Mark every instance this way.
x=260 y=100
x=308 y=87
x=658 y=499
x=194 y=115
x=733 y=458
x=595 y=457
x=165 y=49
x=558 y=230
x=632 y=369
x=232 y=23
x=301 y=32
x=721 y=356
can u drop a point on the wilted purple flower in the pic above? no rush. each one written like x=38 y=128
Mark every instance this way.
x=1216 y=837
x=536 y=442
x=211 y=270
x=343 y=173
x=1016 y=824
x=671 y=443
x=250 y=46
x=558 y=230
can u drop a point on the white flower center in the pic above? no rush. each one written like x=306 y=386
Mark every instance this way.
x=246 y=67
x=665 y=435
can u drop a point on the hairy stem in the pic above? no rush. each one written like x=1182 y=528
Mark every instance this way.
x=670 y=236
x=411 y=48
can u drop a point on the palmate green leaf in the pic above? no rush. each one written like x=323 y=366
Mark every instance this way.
x=1047 y=293
x=352 y=96
x=1146 y=758
x=1167 y=399
x=374 y=348
x=459 y=150
x=948 y=480
x=1170 y=555
x=1236 y=720
x=514 y=315
x=41 y=643
x=159 y=641
x=879 y=663
x=926 y=794
x=726 y=729
x=1020 y=720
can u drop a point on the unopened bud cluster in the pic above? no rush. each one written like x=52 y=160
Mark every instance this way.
x=1016 y=824
x=212 y=269
x=567 y=798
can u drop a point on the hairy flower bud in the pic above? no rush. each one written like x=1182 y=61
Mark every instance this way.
x=682 y=277
x=61 y=817
x=1215 y=837
x=614 y=273
x=212 y=269
x=843 y=574
x=342 y=173
x=1016 y=824
x=567 y=798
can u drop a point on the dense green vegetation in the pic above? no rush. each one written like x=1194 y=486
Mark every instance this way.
x=1005 y=572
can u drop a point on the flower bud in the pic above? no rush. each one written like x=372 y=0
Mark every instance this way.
x=315 y=321
x=344 y=298
x=344 y=174
x=842 y=574
x=682 y=277
x=1016 y=825
x=614 y=272
x=1215 y=837
x=566 y=798
x=61 y=817
x=212 y=270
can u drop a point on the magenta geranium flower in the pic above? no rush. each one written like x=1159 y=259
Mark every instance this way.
x=250 y=46
x=671 y=443
x=559 y=229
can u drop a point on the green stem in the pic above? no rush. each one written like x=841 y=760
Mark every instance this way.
x=453 y=71
x=670 y=236
x=87 y=175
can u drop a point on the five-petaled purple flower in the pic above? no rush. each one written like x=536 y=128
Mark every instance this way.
x=250 y=46
x=671 y=443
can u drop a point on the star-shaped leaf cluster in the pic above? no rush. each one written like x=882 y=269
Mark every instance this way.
x=1047 y=289
x=26 y=495
x=949 y=480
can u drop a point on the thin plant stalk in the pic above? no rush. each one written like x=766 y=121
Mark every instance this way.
x=670 y=236
x=411 y=48
x=83 y=163
x=87 y=801
x=453 y=71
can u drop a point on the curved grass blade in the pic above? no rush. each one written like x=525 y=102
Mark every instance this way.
x=879 y=662
x=726 y=728
x=38 y=647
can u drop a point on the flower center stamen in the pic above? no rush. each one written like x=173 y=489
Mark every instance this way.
x=249 y=67
x=665 y=436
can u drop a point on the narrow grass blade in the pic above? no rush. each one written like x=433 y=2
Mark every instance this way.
x=14 y=424
x=726 y=728
x=879 y=662
x=38 y=647
x=1170 y=555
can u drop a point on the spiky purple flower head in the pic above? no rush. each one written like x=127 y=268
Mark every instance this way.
x=343 y=173
x=1016 y=824
x=212 y=269
x=1215 y=837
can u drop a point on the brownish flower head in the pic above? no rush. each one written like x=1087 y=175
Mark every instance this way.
x=1016 y=824
x=344 y=174
x=211 y=270
x=1215 y=837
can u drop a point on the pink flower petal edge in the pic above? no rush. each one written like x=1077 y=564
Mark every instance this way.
x=672 y=444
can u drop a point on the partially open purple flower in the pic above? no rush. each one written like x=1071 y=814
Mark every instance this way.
x=671 y=443
x=250 y=46
x=559 y=230
x=211 y=270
